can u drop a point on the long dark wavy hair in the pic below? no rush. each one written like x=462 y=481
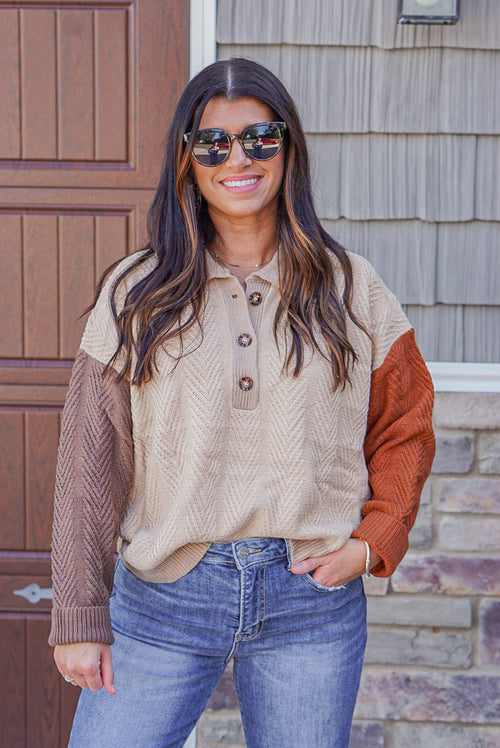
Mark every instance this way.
x=179 y=228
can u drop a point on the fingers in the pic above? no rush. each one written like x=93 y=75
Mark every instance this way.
x=91 y=674
x=308 y=564
x=107 y=673
x=87 y=664
x=338 y=567
x=323 y=569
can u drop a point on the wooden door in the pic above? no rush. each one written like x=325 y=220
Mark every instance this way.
x=86 y=91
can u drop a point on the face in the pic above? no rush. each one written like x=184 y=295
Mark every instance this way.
x=240 y=189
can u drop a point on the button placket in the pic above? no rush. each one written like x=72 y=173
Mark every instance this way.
x=245 y=373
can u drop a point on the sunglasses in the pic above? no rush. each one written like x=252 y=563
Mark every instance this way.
x=261 y=142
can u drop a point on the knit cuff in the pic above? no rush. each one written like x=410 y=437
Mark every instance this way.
x=387 y=536
x=72 y=625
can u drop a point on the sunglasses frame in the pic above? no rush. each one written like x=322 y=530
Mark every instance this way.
x=281 y=126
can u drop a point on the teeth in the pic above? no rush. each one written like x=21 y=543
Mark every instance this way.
x=240 y=182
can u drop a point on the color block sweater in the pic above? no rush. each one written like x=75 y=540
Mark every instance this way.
x=223 y=444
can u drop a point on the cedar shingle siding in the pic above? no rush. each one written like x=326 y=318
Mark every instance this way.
x=404 y=129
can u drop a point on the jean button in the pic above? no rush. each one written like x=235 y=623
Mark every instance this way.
x=244 y=552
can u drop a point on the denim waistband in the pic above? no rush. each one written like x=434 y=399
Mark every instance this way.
x=247 y=551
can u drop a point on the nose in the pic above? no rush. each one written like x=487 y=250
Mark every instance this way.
x=237 y=155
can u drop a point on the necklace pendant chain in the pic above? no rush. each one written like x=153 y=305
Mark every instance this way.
x=234 y=265
x=224 y=262
x=227 y=264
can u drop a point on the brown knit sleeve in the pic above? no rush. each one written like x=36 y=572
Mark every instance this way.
x=94 y=475
x=399 y=449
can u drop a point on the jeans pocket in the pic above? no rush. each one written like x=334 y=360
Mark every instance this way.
x=309 y=579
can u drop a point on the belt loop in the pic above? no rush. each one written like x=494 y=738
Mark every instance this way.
x=288 y=553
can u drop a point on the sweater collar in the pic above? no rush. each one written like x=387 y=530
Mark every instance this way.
x=269 y=272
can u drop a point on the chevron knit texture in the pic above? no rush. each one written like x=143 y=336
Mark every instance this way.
x=191 y=458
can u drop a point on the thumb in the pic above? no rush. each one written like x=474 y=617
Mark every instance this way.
x=308 y=564
x=107 y=673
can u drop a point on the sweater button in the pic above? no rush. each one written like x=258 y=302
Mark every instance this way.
x=255 y=298
x=246 y=383
x=245 y=340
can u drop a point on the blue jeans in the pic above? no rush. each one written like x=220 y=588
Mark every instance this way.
x=297 y=648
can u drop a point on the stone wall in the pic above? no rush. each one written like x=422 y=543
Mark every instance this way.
x=431 y=675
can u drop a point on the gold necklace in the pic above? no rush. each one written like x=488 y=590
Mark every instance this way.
x=227 y=264
x=234 y=265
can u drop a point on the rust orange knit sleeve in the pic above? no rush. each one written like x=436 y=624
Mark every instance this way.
x=399 y=450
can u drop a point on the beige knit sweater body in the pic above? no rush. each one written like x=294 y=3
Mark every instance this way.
x=192 y=457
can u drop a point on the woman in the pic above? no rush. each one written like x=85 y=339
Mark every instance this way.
x=250 y=415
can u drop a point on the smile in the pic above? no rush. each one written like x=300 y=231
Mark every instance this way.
x=240 y=182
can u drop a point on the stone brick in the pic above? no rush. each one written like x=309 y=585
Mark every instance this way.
x=468 y=410
x=454 y=454
x=478 y=495
x=489 y=453
x=224 y=728
x=376 y=585
x=469 y=534
x=426 y=496
x=409 y=610
x=428 y=696
x=421 y=532
x=455 y=575
x=489 y=633
x=367 y=735
x=444 y=736
x=393 y=646
x=221 y=727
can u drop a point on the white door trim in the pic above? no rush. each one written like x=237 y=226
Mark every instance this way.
x=202 y=34
x=202 y=52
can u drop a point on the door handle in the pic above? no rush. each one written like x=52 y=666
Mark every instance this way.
x=34 y=593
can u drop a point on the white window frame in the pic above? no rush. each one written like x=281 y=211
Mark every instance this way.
x=455 y=376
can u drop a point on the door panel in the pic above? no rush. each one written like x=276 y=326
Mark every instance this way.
x=34 y=698
x=54 y=260
x=88 y=86
x=87 y=89
x=13 y=668
x=38 y=84
x=12 y=489
x=41 y=434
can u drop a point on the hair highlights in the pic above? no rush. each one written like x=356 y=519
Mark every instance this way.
x=179 y=226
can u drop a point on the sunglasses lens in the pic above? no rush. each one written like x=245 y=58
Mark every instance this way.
x=262 y=142
x=211 y=147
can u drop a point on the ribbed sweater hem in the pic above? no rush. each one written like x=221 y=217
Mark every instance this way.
x=71 y=625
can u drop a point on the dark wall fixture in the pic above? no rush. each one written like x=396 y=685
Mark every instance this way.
x=428 y=11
